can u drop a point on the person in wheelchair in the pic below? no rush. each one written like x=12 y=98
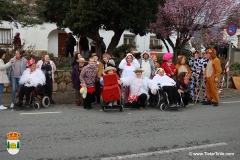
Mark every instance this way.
x=110 y=70
x=30 y=79
x=168 y=85
x=183 y=88
x=139 y=87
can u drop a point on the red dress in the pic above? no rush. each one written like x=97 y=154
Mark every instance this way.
x=169 y=69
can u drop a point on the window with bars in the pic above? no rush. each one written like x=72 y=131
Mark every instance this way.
x=129 y=39
x=155 y=43
x=5 y=36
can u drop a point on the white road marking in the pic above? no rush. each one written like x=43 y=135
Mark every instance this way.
x=140 y=155
x=39 y=113
x=231 y=102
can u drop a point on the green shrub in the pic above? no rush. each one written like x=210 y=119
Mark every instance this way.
x=125 y=48
x=235 y=66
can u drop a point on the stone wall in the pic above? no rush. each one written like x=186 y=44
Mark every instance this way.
x=63 y=81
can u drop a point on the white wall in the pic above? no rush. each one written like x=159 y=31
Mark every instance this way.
x=142 y=42
x=45 y=37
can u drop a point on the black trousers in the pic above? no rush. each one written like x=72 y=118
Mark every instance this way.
x=69 y=50
x=141 y=101
x=172 y=93
x=49 y=86
x=90 y=98
x=25 y=91
x=185 y=98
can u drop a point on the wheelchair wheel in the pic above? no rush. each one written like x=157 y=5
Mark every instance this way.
x=46 y=101
x=36 y=105
x=163 y=107
x=121 y=108
x=104 y=108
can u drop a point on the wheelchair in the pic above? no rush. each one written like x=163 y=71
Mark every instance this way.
x=38 y=95
x=161 y=100
x=120 y=101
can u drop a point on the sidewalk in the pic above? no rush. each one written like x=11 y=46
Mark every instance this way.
x=69 y=96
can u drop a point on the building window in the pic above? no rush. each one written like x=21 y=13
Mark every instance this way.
x=5 y=36
x=155 y=43
x=129 y=39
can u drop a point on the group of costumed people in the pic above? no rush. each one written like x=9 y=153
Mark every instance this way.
x=141 y=78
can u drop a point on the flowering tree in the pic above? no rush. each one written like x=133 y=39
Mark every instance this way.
x=185 y=18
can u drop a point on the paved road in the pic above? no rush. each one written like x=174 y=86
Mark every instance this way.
x=70 y=133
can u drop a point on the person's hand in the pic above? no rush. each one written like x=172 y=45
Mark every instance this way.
x=180 y=91
x=12 y=61
x=199 y=68
x=154 y=92
x=216 y=79
x=172 y=73
x=119 y=82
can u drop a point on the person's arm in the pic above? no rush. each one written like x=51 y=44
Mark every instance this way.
x=152 y=85
x=189 y=74
x=126 y=81
x=191 y=61
x=122 y=63
x=100 y=71
x=41 y=78
x=135 y=63
x=82 y=75
x=53 y=67
x=111 y=61
x=152 y=67
x=187 y=89
x=101 y=81
x=217 y=68
x=5 y=66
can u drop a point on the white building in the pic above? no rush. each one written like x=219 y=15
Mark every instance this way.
x=46 y=37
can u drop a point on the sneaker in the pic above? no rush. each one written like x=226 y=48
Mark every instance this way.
x=12 y=105
x=110 y=104
x=115 y=103
x=215 y=104
x=141 y=108
x=2 y=107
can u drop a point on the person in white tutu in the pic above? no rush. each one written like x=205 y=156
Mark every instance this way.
x=30 y=79
x=139 y=87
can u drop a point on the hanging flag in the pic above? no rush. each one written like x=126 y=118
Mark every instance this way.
x=227 y=67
